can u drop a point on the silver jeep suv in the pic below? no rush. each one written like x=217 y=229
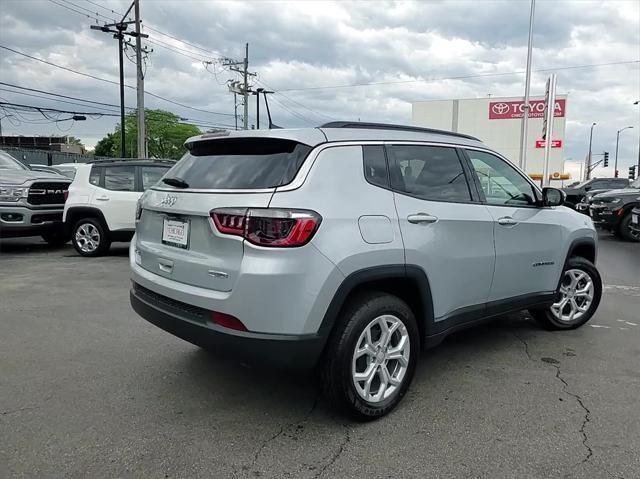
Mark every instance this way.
x=351 y=247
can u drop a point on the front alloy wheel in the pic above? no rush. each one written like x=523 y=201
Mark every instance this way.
x=578 y=297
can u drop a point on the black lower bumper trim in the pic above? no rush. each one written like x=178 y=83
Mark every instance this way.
x=284 y=352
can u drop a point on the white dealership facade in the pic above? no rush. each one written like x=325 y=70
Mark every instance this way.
x=498 y=122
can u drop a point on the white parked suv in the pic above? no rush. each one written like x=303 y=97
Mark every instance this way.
x=101 y=203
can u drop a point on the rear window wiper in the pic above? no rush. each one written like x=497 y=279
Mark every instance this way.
x=177 y=182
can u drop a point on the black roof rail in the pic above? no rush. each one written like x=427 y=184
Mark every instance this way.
x=387 y=126
x=130 y=160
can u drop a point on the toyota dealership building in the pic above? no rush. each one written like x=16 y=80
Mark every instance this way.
x=498 y=122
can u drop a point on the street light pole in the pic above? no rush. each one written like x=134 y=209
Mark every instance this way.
x=589 y=155
x=615 y=167
x=637 y=102
x=527 y=83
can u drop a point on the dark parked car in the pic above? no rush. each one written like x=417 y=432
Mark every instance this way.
x=613 y=210
x=634 y=226
x=577 y=193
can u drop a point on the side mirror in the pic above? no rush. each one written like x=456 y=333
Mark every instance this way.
x=553 y=197
x=587 y=188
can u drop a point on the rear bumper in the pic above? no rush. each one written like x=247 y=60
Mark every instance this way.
x=259 y=349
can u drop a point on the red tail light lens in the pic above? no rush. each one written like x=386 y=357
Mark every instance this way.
x=275 y=227
x=230 y=221
x=227 y=321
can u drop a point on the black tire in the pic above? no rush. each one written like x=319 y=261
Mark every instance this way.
x=548 y=320
x=625 y=230
x=101 y=240
x=337 y=378
x=56 y=237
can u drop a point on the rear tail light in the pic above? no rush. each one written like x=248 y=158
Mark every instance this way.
x=275 y=227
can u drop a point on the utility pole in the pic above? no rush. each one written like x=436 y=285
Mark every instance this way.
x=257 y=94
x=235 y=108
x=615 y=168
x=118 y=33
x=588 y=169
x=246 y=89
x=241 y=88
x=142 y=144
x=527 y=82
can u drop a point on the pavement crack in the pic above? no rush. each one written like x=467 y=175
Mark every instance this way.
x=525 y=344
x=284 y=428
x=587 y=413
x=337 y=454
x=11 y=411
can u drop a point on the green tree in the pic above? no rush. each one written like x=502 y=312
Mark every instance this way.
x=165 y=135
x=105 y=147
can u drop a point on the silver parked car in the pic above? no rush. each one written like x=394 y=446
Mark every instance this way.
x=351 y=247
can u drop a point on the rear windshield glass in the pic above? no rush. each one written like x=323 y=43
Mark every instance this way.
x=240 y=163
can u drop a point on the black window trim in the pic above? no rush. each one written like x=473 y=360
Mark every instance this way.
x=536 y=190
x=386 y=165
x=475 y=199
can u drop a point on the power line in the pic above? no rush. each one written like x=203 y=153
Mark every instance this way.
x=149 y=114
x=462 y=77
x=208 y=51
x=113 y=82
x=317 y=113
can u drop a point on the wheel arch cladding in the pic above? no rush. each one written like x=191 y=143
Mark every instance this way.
x=408 y=282
x=77 y=213
x=584 y=248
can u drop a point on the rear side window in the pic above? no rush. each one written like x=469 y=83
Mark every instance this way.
x=428 y=172
x=120 y=178
x=375 y=165
x=253 y=163
x=94 y=177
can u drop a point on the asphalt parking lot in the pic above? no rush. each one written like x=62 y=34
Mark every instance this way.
x=89 y=389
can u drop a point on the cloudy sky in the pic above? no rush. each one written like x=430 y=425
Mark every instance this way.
x=325 y=60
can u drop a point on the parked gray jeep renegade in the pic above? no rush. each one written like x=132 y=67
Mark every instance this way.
x=350 y=248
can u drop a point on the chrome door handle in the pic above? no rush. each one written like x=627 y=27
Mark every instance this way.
x=507 y=221
x=102 y=198
x=421 y=218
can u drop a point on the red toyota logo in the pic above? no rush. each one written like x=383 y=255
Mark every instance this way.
x=500 y=108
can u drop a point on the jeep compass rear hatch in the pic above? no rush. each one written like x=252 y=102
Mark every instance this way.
x=191 y=228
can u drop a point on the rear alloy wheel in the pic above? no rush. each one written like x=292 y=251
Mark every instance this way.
x=371 y=357
x=626 y=232
x=578 y=297
x=89 y=238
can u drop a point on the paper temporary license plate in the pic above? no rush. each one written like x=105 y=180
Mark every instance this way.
x=175 y=233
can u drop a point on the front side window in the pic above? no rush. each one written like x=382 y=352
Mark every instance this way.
x=501 y=183
x=428 y=172
x=151 y=175
x=120 y=178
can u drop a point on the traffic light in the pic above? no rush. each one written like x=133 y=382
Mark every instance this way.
x=632 y=172
x=606 y=158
